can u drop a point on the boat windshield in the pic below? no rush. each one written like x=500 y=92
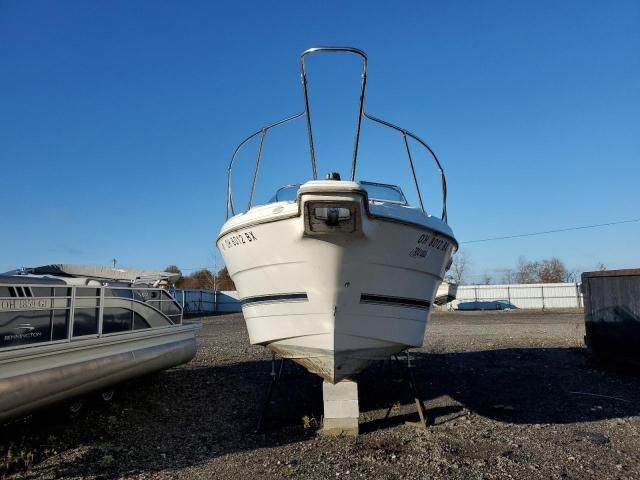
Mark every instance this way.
x=384 y=192
x=286 y=193
x=375 y=191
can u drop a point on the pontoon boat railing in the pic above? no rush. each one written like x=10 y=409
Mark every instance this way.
x=29 y=302
x=361 y=113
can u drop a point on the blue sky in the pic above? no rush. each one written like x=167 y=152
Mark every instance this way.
x=117 y=121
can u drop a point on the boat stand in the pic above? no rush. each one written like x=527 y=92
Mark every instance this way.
x=273 y=385
x=408 y=378
x=413 y=388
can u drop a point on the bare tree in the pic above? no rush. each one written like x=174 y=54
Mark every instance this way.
x=509 y=276
x=459 y=267
x=572 y=276
x=486 y=279
x=527 y=272
x=601 y=267
x=175 y=269
x=204 y=279
x=223 y=280
x=552 y=271
x=200 y=279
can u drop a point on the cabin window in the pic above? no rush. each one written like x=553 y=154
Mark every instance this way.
x=85 y=322
x=23 y=327
x=117 y=320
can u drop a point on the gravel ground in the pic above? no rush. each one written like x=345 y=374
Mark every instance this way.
x=509 y=395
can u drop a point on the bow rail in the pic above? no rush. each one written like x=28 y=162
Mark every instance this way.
x=362 y=113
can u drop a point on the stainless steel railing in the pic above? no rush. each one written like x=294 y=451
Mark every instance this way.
x=361 y=114
x=262 y=131
x=69 y=303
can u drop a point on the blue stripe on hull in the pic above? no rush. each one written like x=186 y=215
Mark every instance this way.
x=395 y=301
x=282 y=297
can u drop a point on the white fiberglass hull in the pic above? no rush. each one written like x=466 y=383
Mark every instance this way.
x=336 y=302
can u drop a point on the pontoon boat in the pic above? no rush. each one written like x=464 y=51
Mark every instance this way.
x=66 y=330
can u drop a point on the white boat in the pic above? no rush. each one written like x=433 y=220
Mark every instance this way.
x=446 y=293
x=336 y=274
x=63 y=335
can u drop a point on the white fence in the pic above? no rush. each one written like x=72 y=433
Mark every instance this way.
x=538 y=296
x=198 y=302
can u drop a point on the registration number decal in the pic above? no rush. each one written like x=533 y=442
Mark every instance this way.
x=238 y=240
x=428 y=242
x=25 y=303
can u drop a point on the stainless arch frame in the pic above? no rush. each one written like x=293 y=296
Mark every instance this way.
x=361 y=113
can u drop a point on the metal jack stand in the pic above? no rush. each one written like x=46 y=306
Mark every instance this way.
x=273 y=384
x=413 y=387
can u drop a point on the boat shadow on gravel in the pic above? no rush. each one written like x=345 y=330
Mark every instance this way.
x=185 y=416
x=516 y=385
